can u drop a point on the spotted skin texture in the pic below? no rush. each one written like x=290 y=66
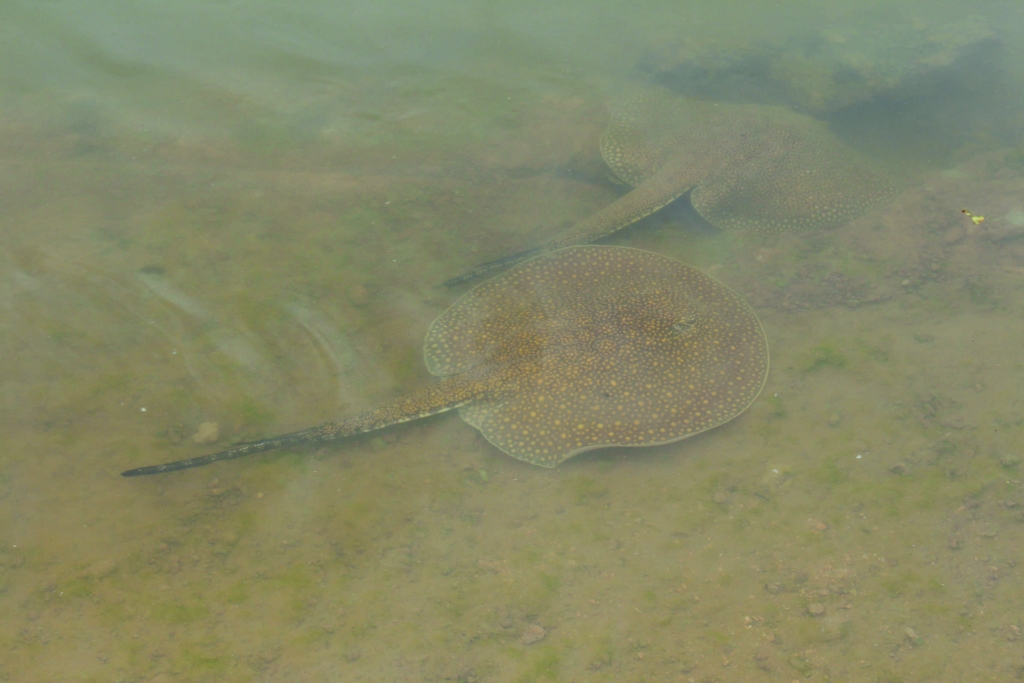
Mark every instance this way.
x=748 y=167
x=614 y=347
x=580 y=348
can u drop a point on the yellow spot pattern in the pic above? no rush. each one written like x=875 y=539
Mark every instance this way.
x=601 y=346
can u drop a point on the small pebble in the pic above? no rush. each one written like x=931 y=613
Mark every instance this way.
x=720 y=498
x=899 y=468
x=531 y=634
x=834 y=419
x=208 y=432
x=816 y=609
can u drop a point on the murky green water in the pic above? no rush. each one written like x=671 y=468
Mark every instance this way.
x=240 y=213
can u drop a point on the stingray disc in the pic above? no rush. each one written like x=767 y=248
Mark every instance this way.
x=750 y=167
x=601 y=346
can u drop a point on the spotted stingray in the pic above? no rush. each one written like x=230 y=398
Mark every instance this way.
x=581 y=348
x=746 y=167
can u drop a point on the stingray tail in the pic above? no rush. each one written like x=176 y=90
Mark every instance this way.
x=451 y=392
x=237 y=451
x=655 y=193
x=497 y=264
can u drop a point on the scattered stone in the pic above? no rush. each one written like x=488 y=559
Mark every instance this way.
x=834 y=419
x=816 y=609
x=208 y=432
x=852 y=63
x=720 y=498
x=954 y=543
x=531 y=634
x=912 y=636
x=774 y=588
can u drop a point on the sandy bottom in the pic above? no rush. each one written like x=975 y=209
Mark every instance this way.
x=863 y=521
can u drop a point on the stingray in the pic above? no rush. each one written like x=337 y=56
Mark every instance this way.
x=580 y=348
x=747 y=167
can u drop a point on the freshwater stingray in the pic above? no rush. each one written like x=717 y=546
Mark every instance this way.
x=746 y=167
x=581 y=348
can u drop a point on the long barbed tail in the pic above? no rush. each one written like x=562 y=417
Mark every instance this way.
x=319 y=433
x=485 y=268
x=451 y=392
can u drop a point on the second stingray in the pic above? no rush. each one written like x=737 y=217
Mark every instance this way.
x=747 y=167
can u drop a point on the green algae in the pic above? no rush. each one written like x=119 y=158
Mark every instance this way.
x=825 y=355
x=544 y=664
x=180 y=612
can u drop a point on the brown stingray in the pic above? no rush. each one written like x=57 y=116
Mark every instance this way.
x=580 y=348
x=746 y=167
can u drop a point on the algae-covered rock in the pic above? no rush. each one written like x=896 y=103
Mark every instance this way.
x=823 y=71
